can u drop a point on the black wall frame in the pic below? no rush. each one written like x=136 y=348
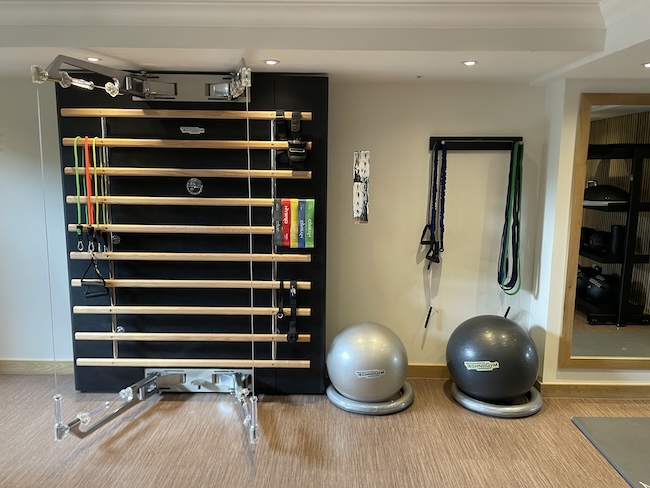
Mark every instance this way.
x=476 y=143
x=268 y=93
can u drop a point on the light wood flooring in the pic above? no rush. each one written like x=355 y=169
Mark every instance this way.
x=609 y=340
x=197 y=440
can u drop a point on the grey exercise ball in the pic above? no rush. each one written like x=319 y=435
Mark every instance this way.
x=367 y=362
x=493 y=359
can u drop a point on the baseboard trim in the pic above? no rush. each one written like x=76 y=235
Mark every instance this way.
x=414 y=371
x=11 y=366
x=427 y=371
x=595 y=390
x=549 y=389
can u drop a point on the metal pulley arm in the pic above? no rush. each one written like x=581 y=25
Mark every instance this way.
x=119 y=81
x=128 y=398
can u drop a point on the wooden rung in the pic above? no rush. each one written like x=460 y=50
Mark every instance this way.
x=184 y=310
x=197 y=173
x=194 y=363
x=184 y=337
x=175 y=201
x=179 y=229
x=166 y=283
x=147 y=113
x=183 y=143
x=194 y=256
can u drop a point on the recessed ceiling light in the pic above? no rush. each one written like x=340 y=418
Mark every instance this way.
x=646 y=65
x=271 y=62
x=470 y=63
x=93 y=59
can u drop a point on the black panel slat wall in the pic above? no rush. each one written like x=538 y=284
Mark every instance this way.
x=268 y=93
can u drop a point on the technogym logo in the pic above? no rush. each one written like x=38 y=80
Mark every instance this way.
x=481 y=365
x=370 y=373
x=192 y=130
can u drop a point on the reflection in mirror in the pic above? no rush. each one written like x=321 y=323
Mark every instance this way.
x=607 y=300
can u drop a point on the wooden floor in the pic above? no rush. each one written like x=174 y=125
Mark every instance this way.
x=197 y=440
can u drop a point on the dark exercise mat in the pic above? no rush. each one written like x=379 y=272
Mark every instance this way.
x=625 y=443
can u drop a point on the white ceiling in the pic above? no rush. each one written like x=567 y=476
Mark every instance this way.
x=388 y=41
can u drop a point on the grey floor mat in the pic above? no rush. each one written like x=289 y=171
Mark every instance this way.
x=625 y=443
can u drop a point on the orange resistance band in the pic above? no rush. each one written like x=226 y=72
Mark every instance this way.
x=89 y=186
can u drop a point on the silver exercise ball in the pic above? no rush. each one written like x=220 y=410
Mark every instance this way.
x=367 y=362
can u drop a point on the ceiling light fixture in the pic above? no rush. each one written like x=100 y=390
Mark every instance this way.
x=646 y=65
x=93 y=59
x=271 y=62
x=470 y=63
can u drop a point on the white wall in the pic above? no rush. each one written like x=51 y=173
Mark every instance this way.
x=376 y=271
x=562 y=107
x=27 y=321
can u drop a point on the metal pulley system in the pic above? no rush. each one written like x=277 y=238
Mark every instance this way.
x=148 y=86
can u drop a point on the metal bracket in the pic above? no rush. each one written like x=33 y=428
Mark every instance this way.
x=149 y=86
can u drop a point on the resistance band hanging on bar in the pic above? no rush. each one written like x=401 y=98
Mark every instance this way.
x=80 y=243
x=92 y=238
x=101 y=242
x=436 y=227
x=508 y=275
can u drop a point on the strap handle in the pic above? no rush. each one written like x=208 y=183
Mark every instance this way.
x=292 y=335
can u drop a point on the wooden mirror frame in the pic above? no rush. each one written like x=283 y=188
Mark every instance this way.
x=565 y=359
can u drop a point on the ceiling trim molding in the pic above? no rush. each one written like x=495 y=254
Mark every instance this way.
x=416 y=40
x=614 y=11
x=395 y=14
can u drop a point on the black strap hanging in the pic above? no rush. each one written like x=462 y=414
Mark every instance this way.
x=435 y=227
x=508 y=274
x=290 y=130
x=98 y=283
x=292 y=335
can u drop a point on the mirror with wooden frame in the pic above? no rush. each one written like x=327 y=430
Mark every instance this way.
x=595 y=335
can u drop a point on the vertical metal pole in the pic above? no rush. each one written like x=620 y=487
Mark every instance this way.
x=274 y=264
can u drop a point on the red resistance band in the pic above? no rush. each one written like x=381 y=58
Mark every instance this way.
x=89 y=196
x=89 y=186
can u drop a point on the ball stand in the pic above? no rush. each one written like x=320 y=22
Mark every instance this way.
x=531 y=407
x=405 y=399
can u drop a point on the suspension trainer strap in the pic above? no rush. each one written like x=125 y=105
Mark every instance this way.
x=508 y=274
x=435 y=227
x=443 y=187
x=292 y=335
x=80 y=242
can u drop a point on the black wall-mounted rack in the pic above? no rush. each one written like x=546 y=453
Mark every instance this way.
x=476 y=143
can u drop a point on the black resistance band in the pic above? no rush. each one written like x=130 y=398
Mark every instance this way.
x=436 y=227
x=508 y=274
